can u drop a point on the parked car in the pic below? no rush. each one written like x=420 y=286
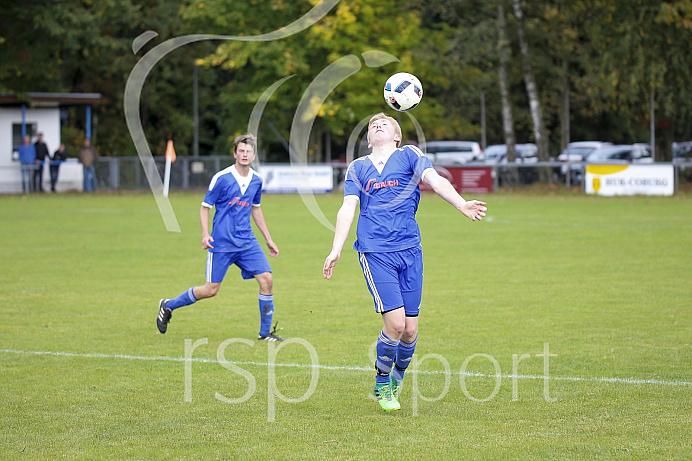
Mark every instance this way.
x=628 y=153
x=497 y=154
x=618 y=154
x=493 y=153
x=576 y=151
x=682 y=152
x=451 y=153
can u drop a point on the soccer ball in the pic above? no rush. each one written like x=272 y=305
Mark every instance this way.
x=403 y=91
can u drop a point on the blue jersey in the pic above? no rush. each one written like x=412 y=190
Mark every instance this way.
x=27 y=154
x=233 y=196
x=389 y=199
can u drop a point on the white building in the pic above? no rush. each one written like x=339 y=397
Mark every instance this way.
x=35 y=113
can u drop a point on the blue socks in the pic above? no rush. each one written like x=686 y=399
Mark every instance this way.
x=386 y=353
x=184 y=299
x=393 y=357
x=266 y=307
x=403 y=358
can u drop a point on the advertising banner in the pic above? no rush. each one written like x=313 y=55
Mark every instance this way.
x=630 y=179
x=478 y=180
x=291 y=179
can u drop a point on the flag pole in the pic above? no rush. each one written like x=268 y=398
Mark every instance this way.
x=167 y=177
x=170 y=158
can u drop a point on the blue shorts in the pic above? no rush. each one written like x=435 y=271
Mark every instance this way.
x=251 y=261
x=395 y=279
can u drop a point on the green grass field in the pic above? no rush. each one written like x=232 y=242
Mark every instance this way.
x=604 y=283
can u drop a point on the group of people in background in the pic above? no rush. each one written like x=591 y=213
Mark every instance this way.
x=33 y=157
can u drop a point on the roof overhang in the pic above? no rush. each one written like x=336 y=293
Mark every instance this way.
x=50 y=99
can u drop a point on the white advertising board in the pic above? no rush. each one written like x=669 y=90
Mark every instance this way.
x=630 y=180
x=291 y=179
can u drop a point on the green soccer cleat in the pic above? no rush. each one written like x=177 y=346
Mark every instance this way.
x=384 y=396
x=395 y=386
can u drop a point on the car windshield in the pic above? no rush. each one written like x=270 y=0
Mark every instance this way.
x=452 y=148
x=493 y=152
x=609 y=154
x=526 y=150
x=580 y=151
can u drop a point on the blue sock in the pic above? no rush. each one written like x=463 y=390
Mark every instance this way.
x=403 y=358
x=184 y=299
x=266 y=307
x=386 y=352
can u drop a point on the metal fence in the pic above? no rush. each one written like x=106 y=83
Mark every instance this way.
x=127 y=173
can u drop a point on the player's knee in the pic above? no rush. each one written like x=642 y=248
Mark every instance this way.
x=208 y=291
x=266 y=282
x=397 y=329
x=410 y=333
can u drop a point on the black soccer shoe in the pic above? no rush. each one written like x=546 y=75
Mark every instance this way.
x=271 y=336
x=164 y=316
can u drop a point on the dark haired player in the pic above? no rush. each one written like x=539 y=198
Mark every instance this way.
x=236 y=193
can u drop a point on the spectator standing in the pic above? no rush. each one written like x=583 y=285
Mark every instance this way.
x=42 y=155
x=88 y=155
x=59 y=156
x=27 y=158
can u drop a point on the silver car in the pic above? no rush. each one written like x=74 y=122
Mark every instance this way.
x=451 y=153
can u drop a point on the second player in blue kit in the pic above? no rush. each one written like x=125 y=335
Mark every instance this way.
x=235 y=193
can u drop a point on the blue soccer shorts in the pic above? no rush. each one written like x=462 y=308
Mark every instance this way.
x=251 y=261
x=395 y=279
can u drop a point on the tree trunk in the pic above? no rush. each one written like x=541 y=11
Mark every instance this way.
x=539 y=129
x=504 y=51
x=565 y=107
x=510 y=177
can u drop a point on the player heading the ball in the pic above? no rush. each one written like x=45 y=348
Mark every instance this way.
x=389 y=242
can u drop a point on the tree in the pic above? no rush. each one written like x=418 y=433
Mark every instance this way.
x=504 y=53
x=350 y=29
x=78 y=46
x=539 y=129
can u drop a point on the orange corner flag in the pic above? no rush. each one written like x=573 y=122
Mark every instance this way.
x=170 y=151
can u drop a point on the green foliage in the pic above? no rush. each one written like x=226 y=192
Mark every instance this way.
x=352 y=28
x=85 y=46
x=607 y=55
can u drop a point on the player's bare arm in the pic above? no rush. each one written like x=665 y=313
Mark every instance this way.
x=472 y=209
x=258 y=217
x=204 y=222
x=344 y=220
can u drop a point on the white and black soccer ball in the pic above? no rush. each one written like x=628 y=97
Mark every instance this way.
x=403 y=91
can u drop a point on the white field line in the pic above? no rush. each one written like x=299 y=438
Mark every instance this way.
x=350 y=368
